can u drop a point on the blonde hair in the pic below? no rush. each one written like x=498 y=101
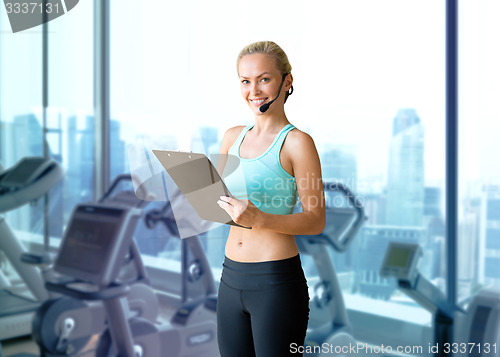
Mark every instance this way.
x=274 y=51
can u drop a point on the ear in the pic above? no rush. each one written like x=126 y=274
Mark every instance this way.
x=288 y=82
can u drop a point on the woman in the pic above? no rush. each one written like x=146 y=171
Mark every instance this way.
x=263 y=302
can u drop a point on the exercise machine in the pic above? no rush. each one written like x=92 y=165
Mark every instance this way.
x=95 y=245
x=474 y=331
x=328 y=322
x=28 y=180
x=63 y=326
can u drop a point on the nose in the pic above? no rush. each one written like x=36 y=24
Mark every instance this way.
x=254 y=89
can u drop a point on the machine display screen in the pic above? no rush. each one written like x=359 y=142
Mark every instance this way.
x=399 y=257
x=88 y=239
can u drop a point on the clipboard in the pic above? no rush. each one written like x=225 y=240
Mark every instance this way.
x=199 y=181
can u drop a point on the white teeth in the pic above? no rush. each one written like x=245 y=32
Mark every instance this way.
x=260 y=101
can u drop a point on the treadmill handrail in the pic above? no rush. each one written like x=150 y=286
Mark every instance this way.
x=14 y=198
x=114 y=185
x=358 y=223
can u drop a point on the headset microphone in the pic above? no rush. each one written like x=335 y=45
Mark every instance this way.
x=264 y=107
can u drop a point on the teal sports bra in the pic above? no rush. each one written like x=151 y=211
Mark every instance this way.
x=263 y=180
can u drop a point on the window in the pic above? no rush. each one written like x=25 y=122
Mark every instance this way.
x=21 y=123
x=370 y=90
x=65 y=125
x=479 y=176
x=70 y=115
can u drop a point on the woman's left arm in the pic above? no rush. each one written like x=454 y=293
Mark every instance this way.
x=307 y=172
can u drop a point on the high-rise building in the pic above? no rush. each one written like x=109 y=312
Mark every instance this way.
x=6 y=141
x=405 y=184
x=339 y=164
x=117 y=154
x=374 y=206
x=29 y=136
x=79 y=166
x=489 y=236
x=468 y=248
x=432 y=202
x=433 y=221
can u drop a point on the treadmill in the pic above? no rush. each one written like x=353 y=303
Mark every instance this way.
x=28 y=180
x=328 y=320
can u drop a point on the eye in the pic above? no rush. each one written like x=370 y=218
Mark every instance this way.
x=265 y=80
x=245 y=81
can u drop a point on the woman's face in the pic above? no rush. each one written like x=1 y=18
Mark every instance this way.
x=260 y=80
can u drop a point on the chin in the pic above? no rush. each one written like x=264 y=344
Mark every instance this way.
x=255 y=110
x=258 y=112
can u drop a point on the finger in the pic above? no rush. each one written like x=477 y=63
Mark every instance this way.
x=226 y=207
x=223 y=204
x=229 y=200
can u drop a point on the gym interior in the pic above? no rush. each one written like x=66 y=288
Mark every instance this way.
x=399 y=96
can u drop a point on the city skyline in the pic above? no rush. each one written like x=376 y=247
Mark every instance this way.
x=72 y=142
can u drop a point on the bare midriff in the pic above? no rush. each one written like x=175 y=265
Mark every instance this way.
x=259 y=245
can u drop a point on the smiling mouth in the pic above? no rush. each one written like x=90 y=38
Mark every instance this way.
x=258 y=101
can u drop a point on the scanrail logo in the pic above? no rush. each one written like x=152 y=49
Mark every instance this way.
x=26 y=14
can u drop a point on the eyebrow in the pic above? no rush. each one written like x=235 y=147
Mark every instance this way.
x=260 y=75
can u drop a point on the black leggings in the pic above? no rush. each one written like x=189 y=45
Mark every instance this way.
x=262 y=308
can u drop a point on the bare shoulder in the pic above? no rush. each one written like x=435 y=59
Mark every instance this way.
x=299 y=135
x=230 y=137
x=234 y=131
x=298 y=148
x=299 y=140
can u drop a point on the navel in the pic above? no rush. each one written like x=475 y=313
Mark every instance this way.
x=240 y=243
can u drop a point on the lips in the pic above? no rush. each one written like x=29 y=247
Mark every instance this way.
x=258 y=102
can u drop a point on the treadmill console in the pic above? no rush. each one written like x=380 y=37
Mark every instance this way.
x=401 y=260
x=96 y=242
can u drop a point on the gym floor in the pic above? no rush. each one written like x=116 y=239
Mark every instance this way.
x=19 y=345
x=25 y=346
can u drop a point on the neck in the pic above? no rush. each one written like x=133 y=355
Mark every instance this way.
x=270 y=123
